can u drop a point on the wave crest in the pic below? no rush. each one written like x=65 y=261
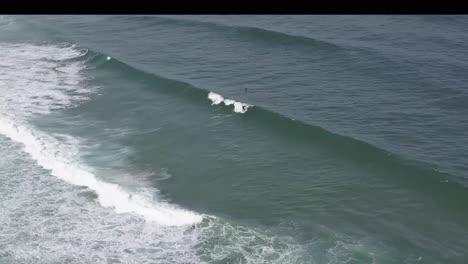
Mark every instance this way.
x=239 y=107
x=49 y=155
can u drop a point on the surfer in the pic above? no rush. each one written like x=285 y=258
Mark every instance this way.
x=245 y=89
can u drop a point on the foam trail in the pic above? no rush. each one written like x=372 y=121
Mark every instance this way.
x=109 y=194
x=239 y=107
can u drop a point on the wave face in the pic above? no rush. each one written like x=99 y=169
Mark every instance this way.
x=302 y=68
x=60 y=222
x=139 y=144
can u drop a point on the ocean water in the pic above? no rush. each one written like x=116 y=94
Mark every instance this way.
x=234 y=139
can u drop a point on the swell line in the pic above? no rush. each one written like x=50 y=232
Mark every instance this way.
x=416 y=175
x=251 y=32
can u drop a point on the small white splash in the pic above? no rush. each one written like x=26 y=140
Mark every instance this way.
x=239 y=107
x=108 y=58
x=420 y=258
x=215 y=98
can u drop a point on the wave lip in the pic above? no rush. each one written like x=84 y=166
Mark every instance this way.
x=217 y=99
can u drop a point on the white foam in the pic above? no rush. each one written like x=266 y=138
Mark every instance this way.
x=239 y=107
x=229 y=102
x=47 y=153
x=36 y=80
x=253 y=246
x=215 y=98
x=45 y=220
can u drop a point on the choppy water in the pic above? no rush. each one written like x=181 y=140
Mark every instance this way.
x=233 y=139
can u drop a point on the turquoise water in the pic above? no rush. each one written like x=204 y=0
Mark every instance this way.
x=133 y=139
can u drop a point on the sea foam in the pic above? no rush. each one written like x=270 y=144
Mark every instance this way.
x=217 y=99
x=38 y=79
